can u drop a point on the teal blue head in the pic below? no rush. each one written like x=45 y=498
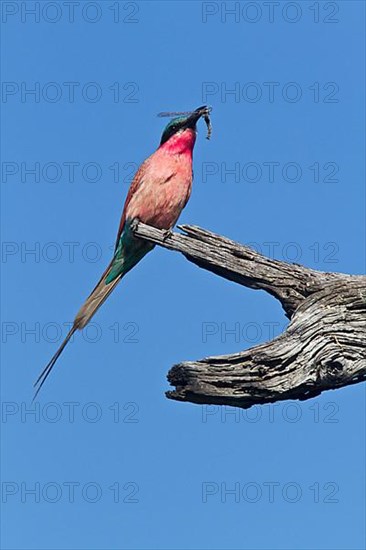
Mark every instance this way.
x=181 y=123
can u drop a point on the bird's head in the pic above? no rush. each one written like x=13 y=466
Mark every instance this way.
x=182 y=129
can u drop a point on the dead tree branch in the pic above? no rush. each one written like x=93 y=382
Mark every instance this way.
x=323 y=347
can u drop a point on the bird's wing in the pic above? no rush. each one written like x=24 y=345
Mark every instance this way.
x=135 y=185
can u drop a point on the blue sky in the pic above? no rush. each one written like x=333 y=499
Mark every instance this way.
x=111 y=462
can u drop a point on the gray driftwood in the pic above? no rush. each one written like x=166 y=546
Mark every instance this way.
x=322 y=348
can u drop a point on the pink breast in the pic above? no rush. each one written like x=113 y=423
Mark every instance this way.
x=165 y=188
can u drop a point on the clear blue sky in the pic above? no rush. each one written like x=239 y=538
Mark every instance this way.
x=150 y=472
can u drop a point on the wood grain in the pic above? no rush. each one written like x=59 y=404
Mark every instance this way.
x=323 y=347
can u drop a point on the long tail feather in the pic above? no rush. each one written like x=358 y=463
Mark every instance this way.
x=96 y=299
x=86 y=312
x=46 y=371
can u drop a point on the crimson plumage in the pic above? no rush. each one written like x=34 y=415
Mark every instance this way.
x=157 y=195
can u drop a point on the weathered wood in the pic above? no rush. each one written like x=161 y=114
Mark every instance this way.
x=322 y=348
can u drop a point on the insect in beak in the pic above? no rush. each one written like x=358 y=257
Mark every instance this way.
x=203 y=112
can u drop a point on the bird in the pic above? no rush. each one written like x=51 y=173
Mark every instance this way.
x=157 y=195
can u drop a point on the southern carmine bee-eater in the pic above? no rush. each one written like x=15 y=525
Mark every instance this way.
x=157 y=195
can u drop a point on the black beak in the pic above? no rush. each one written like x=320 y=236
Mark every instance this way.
x=196 y=115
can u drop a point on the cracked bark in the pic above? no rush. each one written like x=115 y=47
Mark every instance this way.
x=322 y=348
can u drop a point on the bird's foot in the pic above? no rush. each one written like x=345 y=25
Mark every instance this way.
x=167 y=233
x=133 y=225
